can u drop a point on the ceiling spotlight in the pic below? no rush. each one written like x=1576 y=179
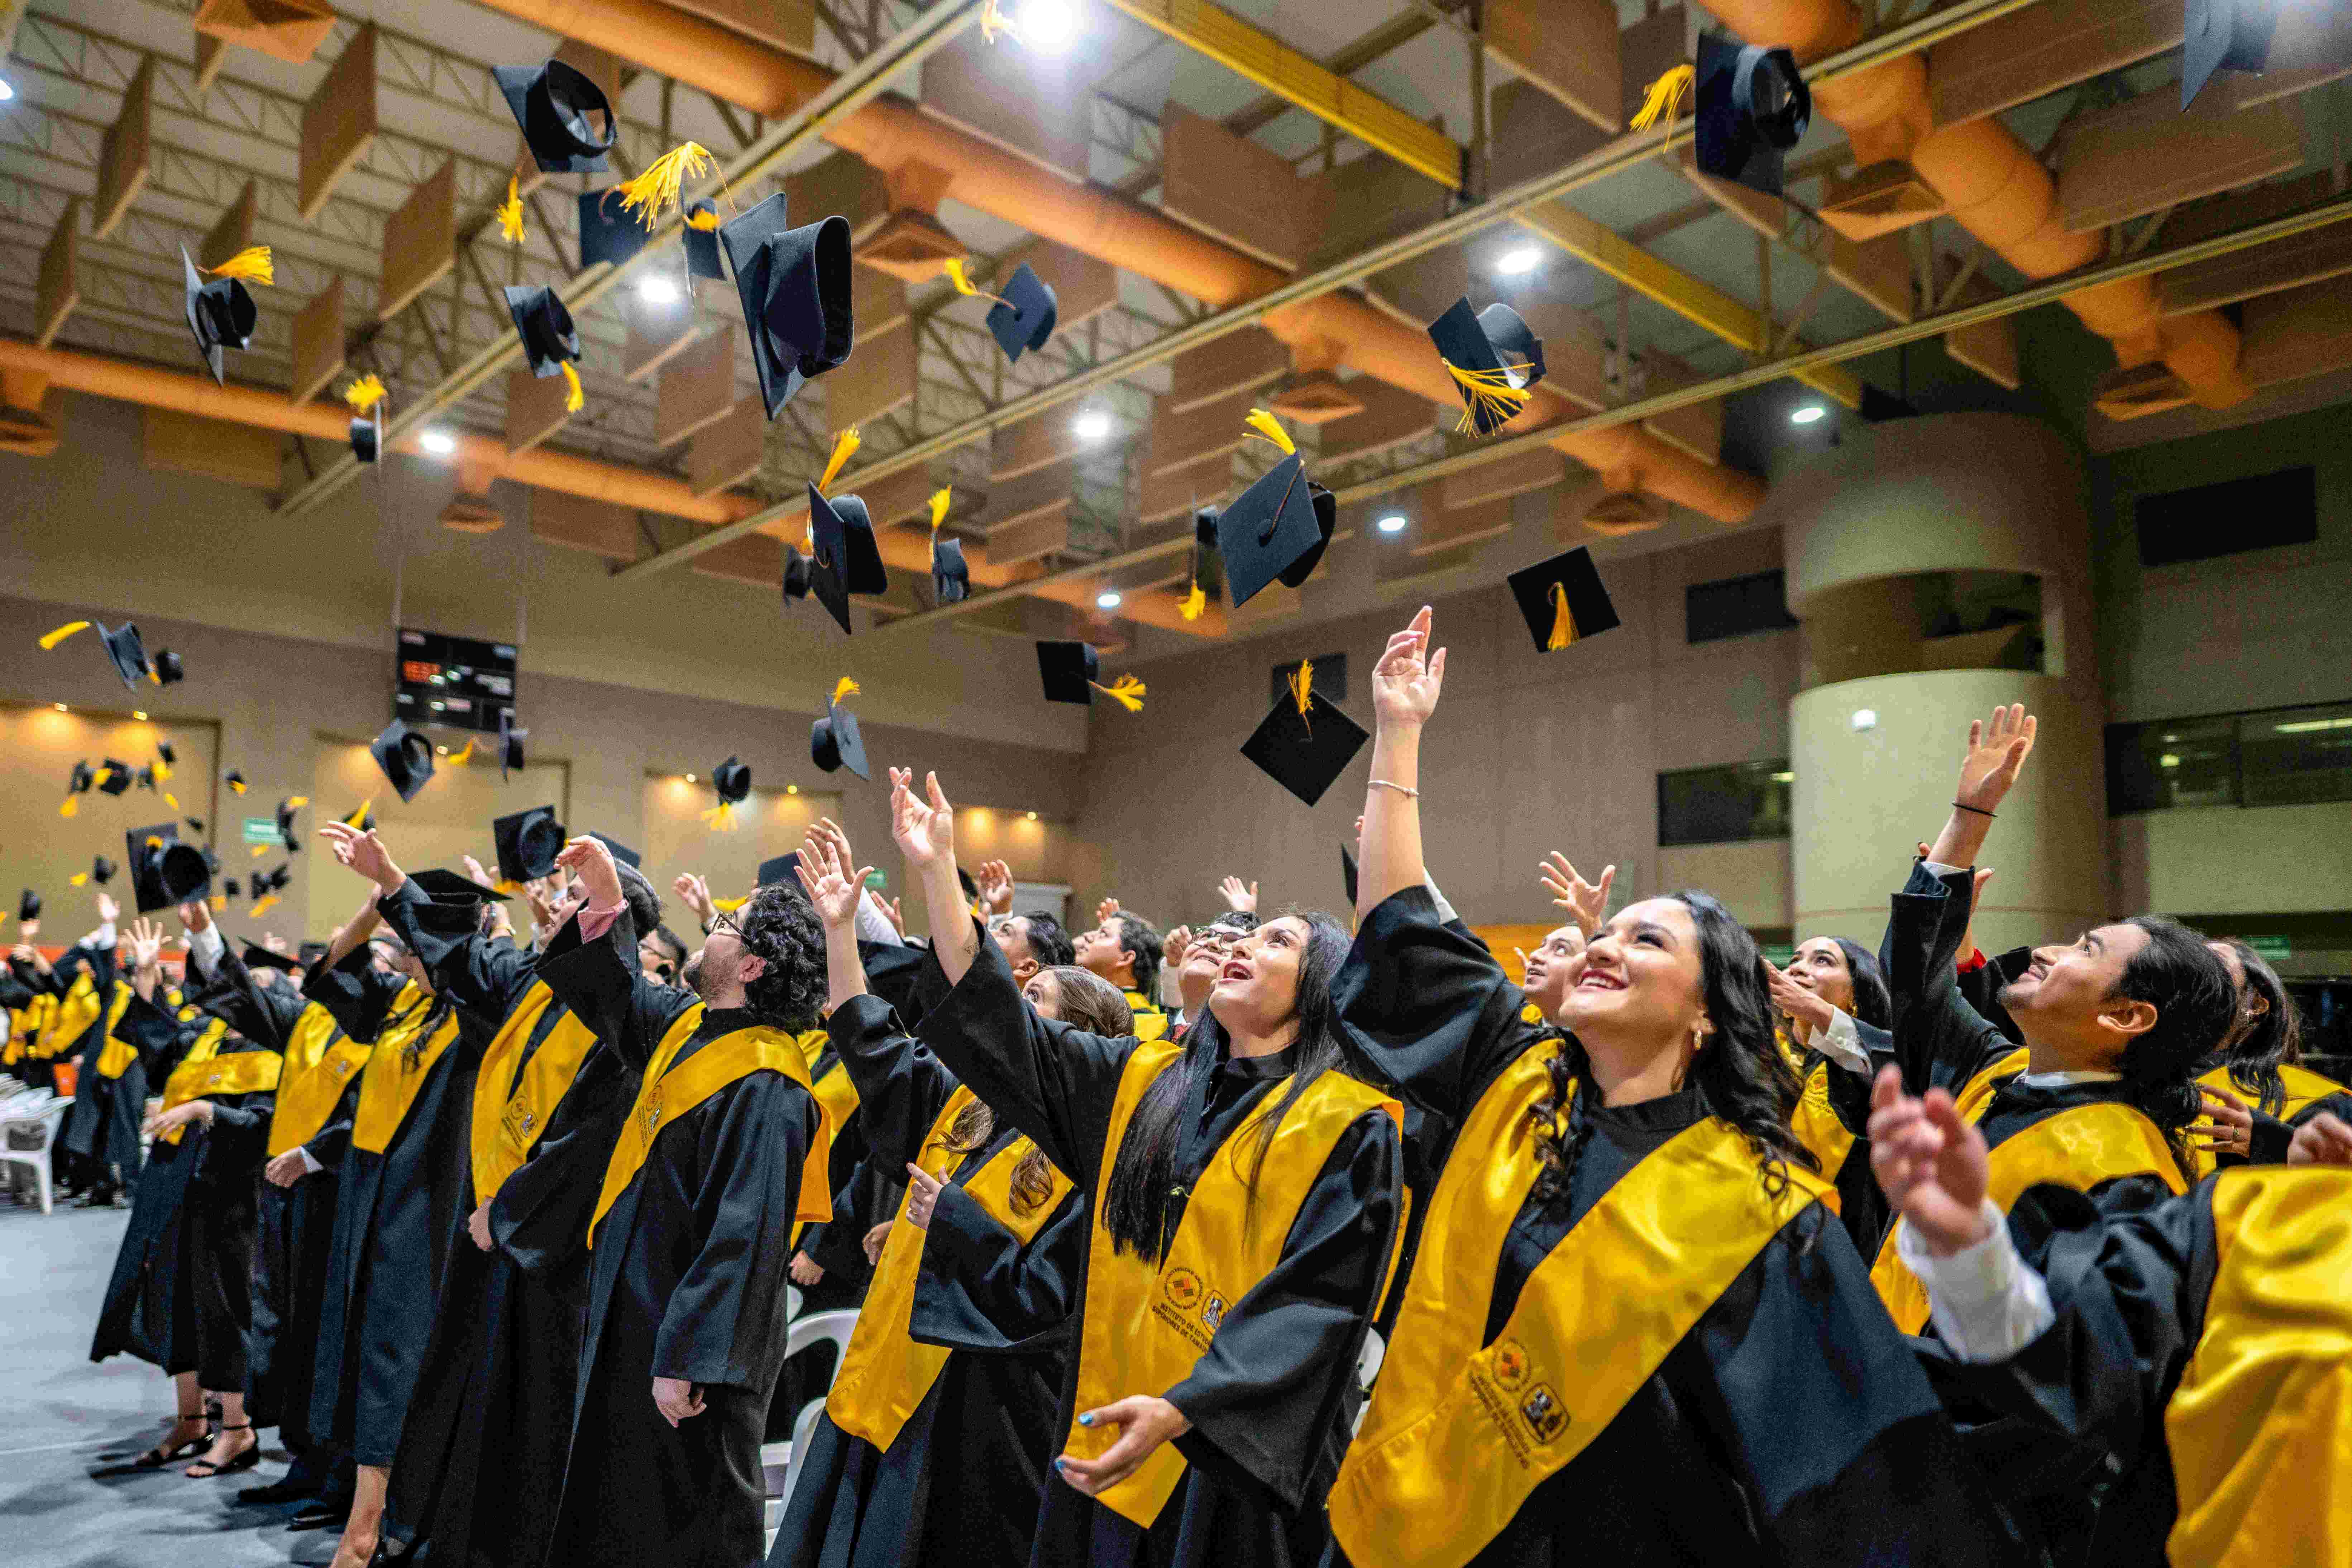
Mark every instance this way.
x=1395 y=522
x=1091 y=425
x=58 y=706
x=439 y=443
x=792 y=789
x=1518 y=261
x=658 y=289
x=1033 y=816
x=690 y=778
x=440 y=751
x=140 y=714
x=6 y=92
x=1808 y=414
x=1047 y=25
x=1865 y=719
x=1108 y=599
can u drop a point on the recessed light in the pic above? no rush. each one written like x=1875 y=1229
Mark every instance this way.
x=2170 y=760
x=58 y=706
x=1395 y=522
x=690 y=778
x=439 y=443
x=1091 y=425
x=440 y=751
x=1047 y=25
x=658 y=289
x=1518 y=260
x=792 y=789
x=140 y=714
x=1033 y=816
x=1865 y=719
x=1108 y=599
x=6 y=92
x=1808 y=414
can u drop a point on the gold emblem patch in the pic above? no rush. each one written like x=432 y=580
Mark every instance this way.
x=1212 y=1310
x=1510 y=1364
x=1183 y=1288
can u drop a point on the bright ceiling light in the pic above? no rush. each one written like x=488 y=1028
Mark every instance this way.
x=1395 y=522
x=140 y=714
x=439 y=443
x=658 y=288
x=1520 y=260
x=1808 y=414
x=6 y=92
x=1047 y=25
x=1108 y=599
x=690 y=778
x=1091 y=425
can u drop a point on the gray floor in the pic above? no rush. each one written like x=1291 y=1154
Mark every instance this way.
x=68 y=1422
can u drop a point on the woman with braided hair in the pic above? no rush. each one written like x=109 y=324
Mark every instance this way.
x=1633 y=1332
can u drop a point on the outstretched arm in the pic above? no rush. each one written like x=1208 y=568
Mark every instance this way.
x=1997 y=750
x=1405 y=686
x=925 y=829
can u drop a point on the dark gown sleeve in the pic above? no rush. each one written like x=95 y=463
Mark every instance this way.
x=237 y=1145
x=332 y=1141
x=541 y=1214
x=601 y=984
x=1264 y=1396
x=902 y=1085
x=865 y=1200
x=979 y=1288
x=1053 y=1082
x=896 y=973
x=482 y=976
x=1939 y=1040
x=1426 y=1008
x=725 y=1318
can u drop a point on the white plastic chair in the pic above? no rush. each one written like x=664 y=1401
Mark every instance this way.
x=816 y=1329
x=36 y=1125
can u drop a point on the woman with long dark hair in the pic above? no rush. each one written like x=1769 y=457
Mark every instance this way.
x=1833 y=1012
x=1241 y=1199
x=1633 y=1332
x=2256 y=1091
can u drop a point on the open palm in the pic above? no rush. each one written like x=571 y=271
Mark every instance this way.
x=925 y=829
x=1408 y=679
x=1997 y=751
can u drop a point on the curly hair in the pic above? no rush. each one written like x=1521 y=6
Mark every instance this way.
x=1740 y=1076
x=2260 y=1041
x=2196 y=1008
x=1087 y=1002
x=778 y=924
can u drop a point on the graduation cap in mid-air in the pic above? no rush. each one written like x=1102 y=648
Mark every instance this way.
x=163 y=872
x=259 y=957
x=230 y=889
x=221 y=313
x=732 y=781
x=1276 y=529
x=550 y=342
x=1304 y=742
x=405 y=756
x=195 y=823
x=794 y=288
x=1068 y=670
x=528 y=843
x=796 y=574
x=169 y=670
x=28 y=905
x=145 y=779
x=702 y=240
x=950 y=572
x=620 y=851
x=1494 y=359
x=285 y=810
x=1563 y=600
x=236 y=782
x=2224 y=35
x=848 y=560
x=126 y=652
x=114 y=777
x=510 y=739
x=1753 y=106
x=556 y=105
x=80 y=779
x=834 y=741
x=1023 y=318
x=607 y=233
x=101 y=871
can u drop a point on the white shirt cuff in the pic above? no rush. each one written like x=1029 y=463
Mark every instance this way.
x=1842 y=1043
x=1444 y=910
x=102 y=939
x=1984 y=1299
x=310 y=1161
x=1937 y=868
x=206 y=947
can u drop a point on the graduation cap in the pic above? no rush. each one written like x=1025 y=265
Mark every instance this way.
x=552 y=103
x=796 y=574
x=79 y=782
x=101 y=869
x=367 y=437
x=236 y=782
x=221 y=313
x=606 y=232
x=2232 y=34
x=146 y=779
x=169 y=670
x=163 y=872
x=702 y=240
x=848 y=561
x=1208 y=566
x=405 y=756
x=195 y=823
x=794 y=287
x=528 y=843
x=511 y=742
x=28 y=905
x=1493 y=358
x=780 y=869
x=733 y=781
x=281 y=876
x=126 y=652
x=113 y=777
x=620 y=852
x=550 y=342
x=1306 y=742
x=1278 y=527
x=1024 y=317
x=1068 y=671
x=229 y=886
x=1347 y=873
x=1563 y=600
x=950 y=572
x=1753 y=106
x=285 y=810
x=259 y=957
x=834 y=740
x=445 y=886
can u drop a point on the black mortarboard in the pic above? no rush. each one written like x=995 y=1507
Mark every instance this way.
x=1024 y=317
x=1563 y=600
x=1490 y=343
x=221 y=313
x=285 y=810
x=101 y=869
x=259 y=957
x=1347 y=873
x=1305 y=753
x=794 y=286
x=28 y=905
x=796 y=574
x=2233 y=35
x=836 y=743
x=445 y=886
x=528 y=843
x=780 y=869
x=732 y=780
x=234 y=780
x=114 y=777
x=81 y=778
x=1276 y=528
x=229 y=886
x=950 y=572
x=1753 y=106
x=310 y=953
x=367 y=437
x=1208 y=566
x=146 y=779
x=607 y=233
x=848 y=561
x=163 y=872
x=702 y=244
x=195 y=823
x=552 y=103
x=1068 y=670
x=126 y=651
x=405 y=756
x=511 y=742
x=169 y=670
x=550 y=341
x=620 y=852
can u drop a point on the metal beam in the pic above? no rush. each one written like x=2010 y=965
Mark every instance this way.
x=843 y=96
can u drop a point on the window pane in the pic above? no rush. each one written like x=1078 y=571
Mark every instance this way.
x=2296 y=756
x=1724 y=805
x=2174 y=762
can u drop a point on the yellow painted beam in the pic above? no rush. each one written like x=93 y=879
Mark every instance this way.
x=1740 y=325
x=1259 y=56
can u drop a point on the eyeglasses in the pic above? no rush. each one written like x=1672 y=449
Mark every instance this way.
x=1217 y=942
x=724 y=921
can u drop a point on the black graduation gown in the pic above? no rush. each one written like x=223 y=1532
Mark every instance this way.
x=101 y=1130
x=494 y=1394
x=1862 y=1208
x=950 y=1492
x=148 y=1311
x=1791 y=1423
x=396 y=1218
x=686 y=1280
x=860 y=1202
x=1272 y=1399
x=19 y=984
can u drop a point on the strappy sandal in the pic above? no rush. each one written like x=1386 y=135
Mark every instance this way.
x=156 y=1457
x=204 y=1469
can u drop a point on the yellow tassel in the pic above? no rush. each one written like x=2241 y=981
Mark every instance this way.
x=994 y=23
x=358 y=818
x=844 y=446
x=843 y=688
x=153 y=677
x=1563 y=620
x=964 y=285
x=252 y=264
x=656 y=189
x=297 y=802
x=510 y=212
x=1192 y=604
x=1127 y=691
x=154 y=841
x=1302 y=686
x=71 y=806
x=1271 y=429
x=721 y=817
x=103 y=774
x=940 y=501
x=258 y=851
x=171 y=800
x=465 y=755
x=1664 y=101
x=163 y=771
x=704 y=222
x=219 y=900
x=1492 y=392
x=262 y=908
x=808 y=537
x=51 y=639
x=78 y=879
x=729 y=906
x=365 y=392
x=237 y=786
x=574 y=399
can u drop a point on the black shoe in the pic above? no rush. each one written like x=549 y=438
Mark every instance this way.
x=287 y=1489
x=331 y=1513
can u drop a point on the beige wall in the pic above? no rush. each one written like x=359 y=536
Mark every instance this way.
x=2281 y=859
x=41 y=849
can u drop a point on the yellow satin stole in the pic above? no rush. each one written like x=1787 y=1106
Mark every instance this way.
x=74 y=1012
x=511 y=1104
x=1151 y=1023
x=669 y=1092
x=2079 y=1148
x=835 y=1089
x=885 y=1374
x=184 y=1085
x=25 y=1026
x=397 y=1069
x=2303 y=1087
x=1461 y=1432
x=2260 y=1429
x=114 y=1059
x=1145 y=1323
x=1816 y=1127
x=320 y=1060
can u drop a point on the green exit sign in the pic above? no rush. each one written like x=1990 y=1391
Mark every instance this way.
x=877 y=880
x=2273 y=948
x=1779 y=955
x=261 y=830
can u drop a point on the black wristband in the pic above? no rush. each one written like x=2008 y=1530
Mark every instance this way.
x=1981 y=811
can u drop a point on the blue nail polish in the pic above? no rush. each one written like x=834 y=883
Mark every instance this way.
x=1086 y=1420
x=1060 y=1465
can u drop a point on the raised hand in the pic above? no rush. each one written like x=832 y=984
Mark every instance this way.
x=1239 y=898
x=827 y=831
x=1105 y=909
x=363 y=852
x=109 y=911
x=1173 y=947
x=1997 y=750
x=1408 y=679
x=897 y=917
x=995 y=882
x=474 y=873
x=146 y=943
x=195 y=915
x=924 y=828
x=695 y=894
x=830 y=885
x=1587 y=903
x=2324 y=1140
x=587 y=859
x=1931 y=1166
x=1799 y=1006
